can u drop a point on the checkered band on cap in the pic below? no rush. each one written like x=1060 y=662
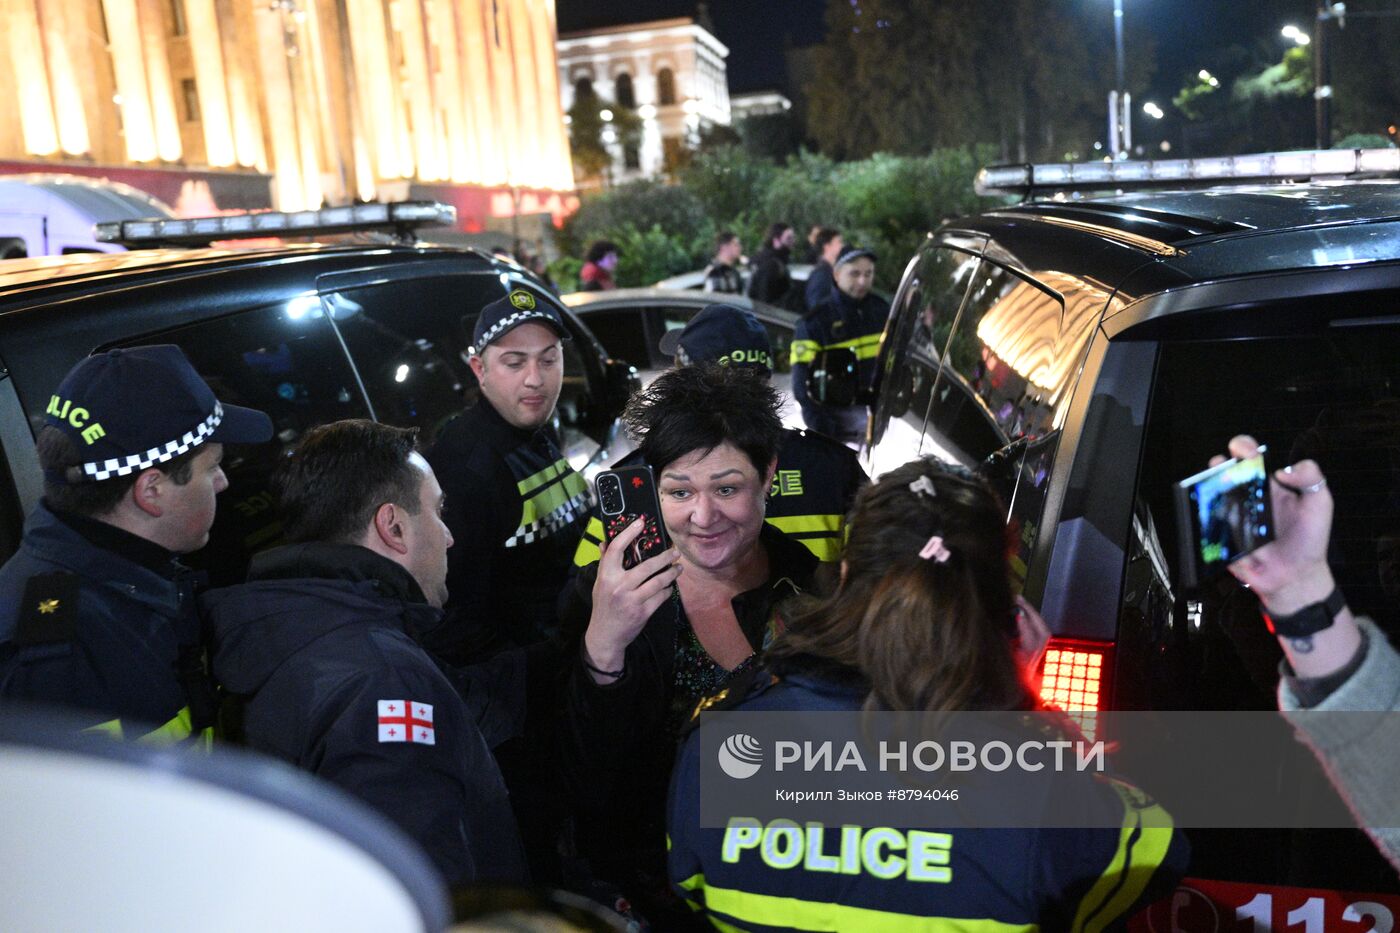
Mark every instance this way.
x=507 y=322
x=99 y=470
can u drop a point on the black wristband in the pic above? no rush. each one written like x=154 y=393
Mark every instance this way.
x=616 y=675
x=1309 y=620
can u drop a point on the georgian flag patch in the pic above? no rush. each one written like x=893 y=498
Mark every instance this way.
x=406 y=721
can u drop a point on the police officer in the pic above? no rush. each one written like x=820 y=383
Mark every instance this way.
x=319 y=653
x=817 y=478
x=852 y=318
x=515 y=506
x=96 y=612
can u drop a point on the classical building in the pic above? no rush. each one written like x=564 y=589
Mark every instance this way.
x=335 y=100
x=671 y=71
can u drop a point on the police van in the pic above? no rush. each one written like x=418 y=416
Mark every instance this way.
x=55 y=215
x=1097 y=342
x=378 y=328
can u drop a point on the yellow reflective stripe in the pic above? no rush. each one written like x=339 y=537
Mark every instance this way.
x=112 y=728
x=826 y=550
x=866 y=348
x=534 y=481
x=791 y=913
x=695 y=882
x=798 y=524
x=1133 y=865
x=179 y=728
x=804 y=351
x=827 y=546
x=588 y=551
x=542 y=503
x=176 y=730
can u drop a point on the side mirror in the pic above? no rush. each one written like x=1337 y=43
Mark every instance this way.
x=834 y=378
x=620 y=380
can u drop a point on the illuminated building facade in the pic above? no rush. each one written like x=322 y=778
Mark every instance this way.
x=671 y=71
x=336 y=100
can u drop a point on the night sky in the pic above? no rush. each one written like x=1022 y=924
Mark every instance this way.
x=1187 y=34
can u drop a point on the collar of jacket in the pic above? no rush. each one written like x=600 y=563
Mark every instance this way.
x=318 y=560
x=51 y=539
x=492 y=420
x=134 y=548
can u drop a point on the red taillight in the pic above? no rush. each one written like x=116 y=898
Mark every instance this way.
x=1075 y=678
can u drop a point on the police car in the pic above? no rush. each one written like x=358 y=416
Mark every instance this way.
x=1098 y=342
x=308 y=333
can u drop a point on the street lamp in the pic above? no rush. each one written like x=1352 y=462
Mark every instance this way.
x=1120 y=115
x=1297 y=35
x=1152 y=110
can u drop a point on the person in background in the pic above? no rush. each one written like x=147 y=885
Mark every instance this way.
x=653 y=639
x=821 y=284
x=923 y=620
x=97 y=614
x=770 y=281
x=721 y=276
x=598 y=266
x=810 y=253
x=817 y=478
x=320 y=658
x=1333 y=660
x=853 y=319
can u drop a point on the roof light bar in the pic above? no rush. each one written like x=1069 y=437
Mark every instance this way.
x=1264 y=167
x=401 y=217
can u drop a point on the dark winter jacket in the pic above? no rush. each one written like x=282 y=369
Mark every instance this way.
x=318 y=654
x=770 y=281
x=101 y=622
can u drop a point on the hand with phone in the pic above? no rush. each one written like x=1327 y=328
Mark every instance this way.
x=1291 y=571
x=624 y=598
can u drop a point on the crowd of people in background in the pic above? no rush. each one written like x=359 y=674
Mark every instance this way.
x=447 y=633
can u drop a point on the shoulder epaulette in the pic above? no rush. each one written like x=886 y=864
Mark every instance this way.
x=49 y=611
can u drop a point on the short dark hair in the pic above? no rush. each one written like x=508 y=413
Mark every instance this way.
x=702 y=406
x=600 y=248
x=58 y=455
x=824 y=236
x=331 y=485
x=724 y=238
x=775 y=230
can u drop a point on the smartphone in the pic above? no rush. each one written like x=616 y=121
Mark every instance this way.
x=1224 y=513
x=626 y=495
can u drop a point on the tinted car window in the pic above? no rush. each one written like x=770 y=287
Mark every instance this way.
x=912 y=350
x=410 y=344
x=1331 y=397
x=285 y=360
x=623 y=333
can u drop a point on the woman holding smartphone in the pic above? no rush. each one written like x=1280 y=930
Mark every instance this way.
x=924 y=620
x=662 y=635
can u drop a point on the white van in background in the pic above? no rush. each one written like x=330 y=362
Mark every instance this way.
x=51 y=215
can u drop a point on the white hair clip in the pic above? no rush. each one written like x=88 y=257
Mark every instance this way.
x=923 y=486
x=935 y=550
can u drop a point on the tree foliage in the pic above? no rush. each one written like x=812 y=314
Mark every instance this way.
x=905 y=76
x=588 y=131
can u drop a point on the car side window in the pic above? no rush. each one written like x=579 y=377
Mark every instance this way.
x=1330 y=396
x=913 y=348
x=623 y=333
x=283 y=359
x=410 y=346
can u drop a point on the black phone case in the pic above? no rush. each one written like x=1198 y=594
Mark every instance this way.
x=1192 y=574
x=639 y=499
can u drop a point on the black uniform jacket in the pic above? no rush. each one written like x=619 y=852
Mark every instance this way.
x=814 y=488
x=620 y=738
x=318 y=653
x=771 y=282
x=516 y=510
x=102 y=622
